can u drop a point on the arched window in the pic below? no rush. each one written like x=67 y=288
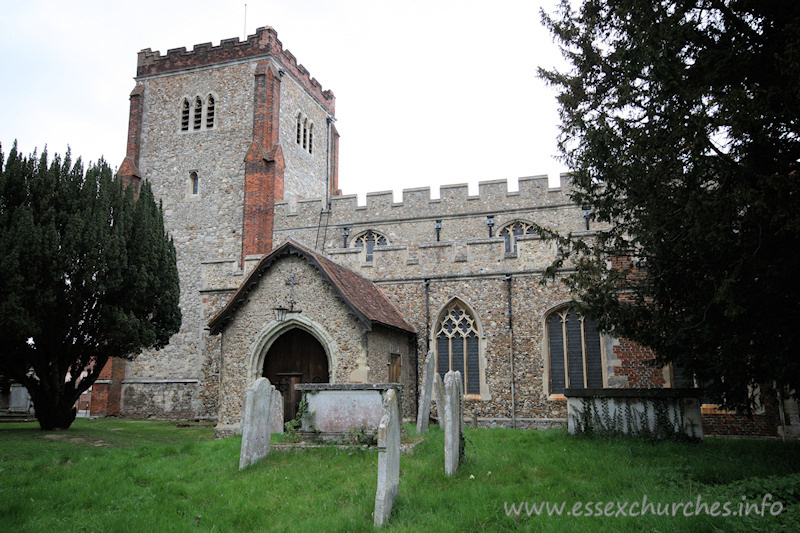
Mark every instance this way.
x=299 y=128
x=185 y=115
x=574 y=351
x=368 y=241
x=458 y=345
x=305 y=134
x=511 y=231
x=195 y=182
x=210 y=112
x=198 y=113
x=310 y=138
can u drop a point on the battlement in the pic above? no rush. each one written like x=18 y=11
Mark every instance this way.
x=474 y=257
x=454 y=200
x=264 y=43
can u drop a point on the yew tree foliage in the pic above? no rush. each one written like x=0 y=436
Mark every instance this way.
x=87 y=272
x=680 y=125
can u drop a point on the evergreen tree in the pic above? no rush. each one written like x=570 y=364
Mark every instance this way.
x=681 y=125
x=87 y=272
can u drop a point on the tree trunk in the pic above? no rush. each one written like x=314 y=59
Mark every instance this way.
x=53 y=411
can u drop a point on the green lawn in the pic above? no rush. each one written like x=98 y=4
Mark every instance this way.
x=131 y=475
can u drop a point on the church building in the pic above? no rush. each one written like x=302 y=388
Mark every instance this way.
x=283 y=276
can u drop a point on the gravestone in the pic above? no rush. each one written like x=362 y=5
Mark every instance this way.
x=256 y=422
x=388 y=458
x=453 y=421
x=438 y=395
x=425 y=398
x=277 y=411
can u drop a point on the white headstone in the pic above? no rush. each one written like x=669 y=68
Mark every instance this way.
x=256 y=422
x=424 y=412
x=453 y=421
x=388 y=458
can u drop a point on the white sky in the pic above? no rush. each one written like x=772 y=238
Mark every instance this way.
x=427 y=92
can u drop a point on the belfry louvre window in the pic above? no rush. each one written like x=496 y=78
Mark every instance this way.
x=185 y=115
x=575 y=353
x=198 y=113
x=514 y=230
x=458 y=346
x=299 y=128
x=311 y=139
x=367 y=241
x=210 y=112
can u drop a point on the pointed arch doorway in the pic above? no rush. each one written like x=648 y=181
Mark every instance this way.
x=295 y=357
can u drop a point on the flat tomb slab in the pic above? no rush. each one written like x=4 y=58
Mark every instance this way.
x=338 y=408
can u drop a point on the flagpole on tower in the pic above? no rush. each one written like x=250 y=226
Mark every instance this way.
x=244 y=38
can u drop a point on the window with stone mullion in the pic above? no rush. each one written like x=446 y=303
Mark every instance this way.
x=368 y=241
x=575 y=352
x=457 y=347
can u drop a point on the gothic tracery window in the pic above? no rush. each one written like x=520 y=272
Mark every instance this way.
x=458 y=345
x=368 y=241
x=574 y=351
x=514 y=230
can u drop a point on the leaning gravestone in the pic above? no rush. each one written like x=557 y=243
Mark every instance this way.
x=256 y=422
x=453 y=422
x=425 y=399
x=438 y=390
x=388 y=458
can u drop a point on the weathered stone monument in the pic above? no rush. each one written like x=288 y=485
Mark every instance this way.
x=256 y=422
x=438 y=395
x=453 y=421
x=388 y=458
x=424 y=412
x=277 y=411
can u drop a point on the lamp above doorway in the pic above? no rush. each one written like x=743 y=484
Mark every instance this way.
x=281 y=311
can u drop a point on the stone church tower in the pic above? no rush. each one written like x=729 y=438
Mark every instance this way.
x=222 y=133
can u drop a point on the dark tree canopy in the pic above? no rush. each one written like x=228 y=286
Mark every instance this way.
x=680 y=123
x=87 y=272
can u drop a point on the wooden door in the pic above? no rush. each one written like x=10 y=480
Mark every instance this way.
x=394 y=368
x=295 y=357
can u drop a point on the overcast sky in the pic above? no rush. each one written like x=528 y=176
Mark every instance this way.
x=427 y=92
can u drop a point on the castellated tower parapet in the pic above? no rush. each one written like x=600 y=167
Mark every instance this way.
x=264 y=43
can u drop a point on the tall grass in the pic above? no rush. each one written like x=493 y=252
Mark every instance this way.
x=126 y=475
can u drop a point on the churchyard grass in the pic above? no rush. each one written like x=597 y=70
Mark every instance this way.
x=130 y=475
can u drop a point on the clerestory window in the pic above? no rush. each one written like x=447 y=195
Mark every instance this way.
x=511 y=231
x=368 y=240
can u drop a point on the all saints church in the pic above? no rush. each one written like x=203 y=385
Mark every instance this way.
x=283 y=276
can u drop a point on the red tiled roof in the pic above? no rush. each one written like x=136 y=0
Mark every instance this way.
x=363 y=298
